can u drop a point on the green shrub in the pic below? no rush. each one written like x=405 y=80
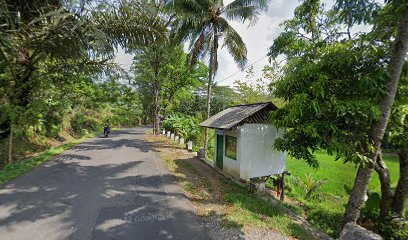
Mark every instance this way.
x=372 y=206
x=122 y=116
x=184 y=126
x=211 y=143
x=83 y=123
x=392 y=231
x=387 y=228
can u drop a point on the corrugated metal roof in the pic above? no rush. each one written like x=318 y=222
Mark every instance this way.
x=234 y=115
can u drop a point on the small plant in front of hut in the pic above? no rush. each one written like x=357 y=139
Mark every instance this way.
x=312 y=187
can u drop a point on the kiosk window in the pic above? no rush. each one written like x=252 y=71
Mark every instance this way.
x=231 y=147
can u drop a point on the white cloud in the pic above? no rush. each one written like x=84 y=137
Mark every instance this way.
x=257 y=38
x=276 y=3
x=123 y=59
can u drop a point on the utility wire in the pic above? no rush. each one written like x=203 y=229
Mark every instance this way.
x=248 y=65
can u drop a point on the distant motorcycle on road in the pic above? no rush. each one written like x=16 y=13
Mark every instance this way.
x=106 y=131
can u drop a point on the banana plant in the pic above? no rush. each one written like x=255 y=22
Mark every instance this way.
x=182 y=125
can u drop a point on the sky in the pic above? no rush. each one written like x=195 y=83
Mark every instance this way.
x=258 y=39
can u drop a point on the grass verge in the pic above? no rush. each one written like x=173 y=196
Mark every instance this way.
x=15 y=169
x=233 y=205
x=326 y=209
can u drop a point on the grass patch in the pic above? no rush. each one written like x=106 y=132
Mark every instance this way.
x=247 y=209
x=15 y=169
x=326 y=211
x=339 y=174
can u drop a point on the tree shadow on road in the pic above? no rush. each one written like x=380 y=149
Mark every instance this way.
x=80 y=196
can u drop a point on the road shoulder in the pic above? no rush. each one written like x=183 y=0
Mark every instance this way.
x=228 y=210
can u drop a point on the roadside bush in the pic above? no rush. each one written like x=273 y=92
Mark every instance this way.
x=184 y=126
x=211 y=143
x=122 y=116
x=83 y=123
x=392 y=228
x=372 y=206
x=392 y=231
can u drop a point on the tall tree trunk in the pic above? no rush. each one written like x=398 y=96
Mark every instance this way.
x=156 y=126
x=212 y=70
x=395 y=65
x=401 y=192
x=145 y=114
x=154 y=109
x=208 y=105
x=10 y=152
x=386 y=192
x=358 y=194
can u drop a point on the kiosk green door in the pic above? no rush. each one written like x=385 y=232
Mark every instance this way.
x=220 y=151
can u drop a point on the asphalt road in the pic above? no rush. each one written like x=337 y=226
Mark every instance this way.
x=105 y=188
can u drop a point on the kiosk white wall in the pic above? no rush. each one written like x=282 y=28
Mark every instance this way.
x=255 y=154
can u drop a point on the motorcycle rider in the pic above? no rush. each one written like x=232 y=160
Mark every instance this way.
x=106 y=130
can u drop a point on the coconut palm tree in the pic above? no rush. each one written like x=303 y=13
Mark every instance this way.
x=205 y=24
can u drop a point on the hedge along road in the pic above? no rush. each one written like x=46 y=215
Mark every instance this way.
x=105 y=188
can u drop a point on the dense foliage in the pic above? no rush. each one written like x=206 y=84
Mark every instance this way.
x=56 y=70
x=339 y=88
x=336 y=86
x=162 y=76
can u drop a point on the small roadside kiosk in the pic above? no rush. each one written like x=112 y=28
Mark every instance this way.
x=244 y=141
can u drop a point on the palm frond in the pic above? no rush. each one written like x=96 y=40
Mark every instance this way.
x=64 y=36
x=6 y=50
x=198 y=48
x=243 y=10
x=234 y=43
x=188 y=6
x=214 y=64
x=189 y=27
x=213 y=48
x=131 y=25
x=259 y=4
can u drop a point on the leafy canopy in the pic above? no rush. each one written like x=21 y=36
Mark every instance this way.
x=332 y=85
